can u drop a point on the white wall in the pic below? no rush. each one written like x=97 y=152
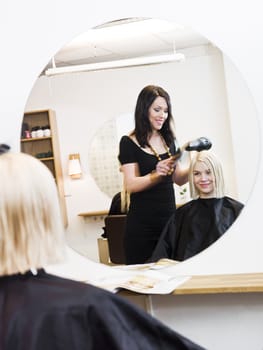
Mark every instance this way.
x=216 y=321
x=245 y=128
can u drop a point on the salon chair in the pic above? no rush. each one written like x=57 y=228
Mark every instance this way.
x=115 y=228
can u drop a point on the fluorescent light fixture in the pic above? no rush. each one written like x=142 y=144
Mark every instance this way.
x=130 y=62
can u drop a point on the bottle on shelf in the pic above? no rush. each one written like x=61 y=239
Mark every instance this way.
x=46 y=131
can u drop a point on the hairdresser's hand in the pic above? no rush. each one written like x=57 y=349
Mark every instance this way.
x=165 y=167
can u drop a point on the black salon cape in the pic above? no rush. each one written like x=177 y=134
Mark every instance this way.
x=46 y=312
x=195 y=226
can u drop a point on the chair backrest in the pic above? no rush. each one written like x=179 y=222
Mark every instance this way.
x=115 y=228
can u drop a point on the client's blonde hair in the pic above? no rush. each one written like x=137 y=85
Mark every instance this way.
x=215 y=166
x=125 y=201
x=31 y=230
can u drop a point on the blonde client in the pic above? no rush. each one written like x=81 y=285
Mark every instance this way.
x=200 y=222
x=41 y=311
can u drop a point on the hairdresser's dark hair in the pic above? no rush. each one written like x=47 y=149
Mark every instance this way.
x=142 y=124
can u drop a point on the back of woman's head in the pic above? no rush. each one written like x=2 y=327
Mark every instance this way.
x=212 y=163
x=31 y=230
x=142 y=124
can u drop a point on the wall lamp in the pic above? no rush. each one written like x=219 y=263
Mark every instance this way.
x=74 y=166
x=130 y=62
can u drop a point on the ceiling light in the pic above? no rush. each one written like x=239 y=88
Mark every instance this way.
x=130 y=62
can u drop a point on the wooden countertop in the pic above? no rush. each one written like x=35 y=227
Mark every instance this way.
x=94 y=213
x=105 y=212
x=215 y=284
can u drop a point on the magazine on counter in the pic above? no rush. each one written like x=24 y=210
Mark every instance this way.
x=152 y=278
x=142 y=278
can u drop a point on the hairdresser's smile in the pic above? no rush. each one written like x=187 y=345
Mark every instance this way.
x=158 y=113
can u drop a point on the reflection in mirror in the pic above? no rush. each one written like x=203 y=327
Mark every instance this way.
x=95 y=108
x=102 y=155
x=203 y=220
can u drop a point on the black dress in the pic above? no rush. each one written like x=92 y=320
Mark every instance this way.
x=46 y=312
x=150 y=209
x=195 y=226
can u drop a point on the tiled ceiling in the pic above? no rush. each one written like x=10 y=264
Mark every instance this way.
x=127 y=38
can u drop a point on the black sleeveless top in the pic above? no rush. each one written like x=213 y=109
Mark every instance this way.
x=149 y=209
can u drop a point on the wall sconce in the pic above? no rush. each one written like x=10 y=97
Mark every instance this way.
x=74 y=167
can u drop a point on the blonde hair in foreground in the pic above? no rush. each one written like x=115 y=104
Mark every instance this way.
x=212 y=162
x=31 y=230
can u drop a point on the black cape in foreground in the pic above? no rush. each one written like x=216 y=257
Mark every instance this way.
x=46 y=312
x=195 y=226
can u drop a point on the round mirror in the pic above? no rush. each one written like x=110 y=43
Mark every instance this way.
x=92 y=85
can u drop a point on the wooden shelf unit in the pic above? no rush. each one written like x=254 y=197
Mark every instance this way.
x=46 y=145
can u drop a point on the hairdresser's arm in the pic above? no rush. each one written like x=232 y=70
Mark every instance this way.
x=180 y=175
x=134 y=182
